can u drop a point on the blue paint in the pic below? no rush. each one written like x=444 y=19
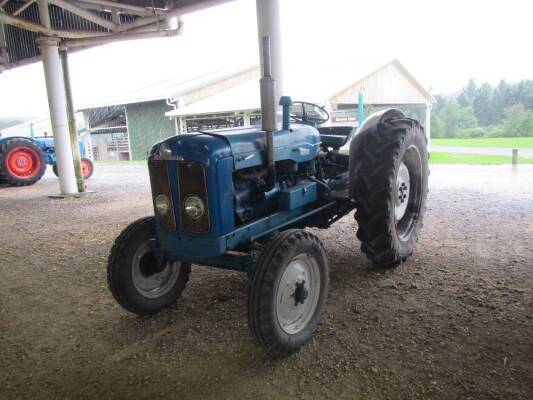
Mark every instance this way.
x=47 y=146
x=222 y=153
x=286 y=102
x=198 y=249
x=360 y=108
x=247 y=145
x=297 y=196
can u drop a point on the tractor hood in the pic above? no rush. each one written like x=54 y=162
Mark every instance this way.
x=246 y=145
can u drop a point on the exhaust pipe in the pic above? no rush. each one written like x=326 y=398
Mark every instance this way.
x=268 y=111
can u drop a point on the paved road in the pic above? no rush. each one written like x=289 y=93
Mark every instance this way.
x=482 y=150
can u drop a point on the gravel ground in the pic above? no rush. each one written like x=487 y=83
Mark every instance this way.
x=453 y=322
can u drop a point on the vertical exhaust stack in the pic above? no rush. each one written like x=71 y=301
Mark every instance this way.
x=268 y=111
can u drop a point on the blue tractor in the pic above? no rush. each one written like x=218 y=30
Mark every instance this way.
x=241 y=198
x=23 y=160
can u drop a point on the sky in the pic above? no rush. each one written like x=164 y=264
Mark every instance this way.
x=443 y=43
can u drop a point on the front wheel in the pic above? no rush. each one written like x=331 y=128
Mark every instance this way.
x=391 y=187
x=288 y=292
x=140 y=280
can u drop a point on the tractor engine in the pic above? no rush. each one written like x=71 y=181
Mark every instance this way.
x=211 y=183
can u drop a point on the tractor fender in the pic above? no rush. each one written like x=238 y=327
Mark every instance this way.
x=3 y=139
x=370 y=126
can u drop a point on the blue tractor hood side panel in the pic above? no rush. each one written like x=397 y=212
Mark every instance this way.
x=203 y=148
x=299 y=144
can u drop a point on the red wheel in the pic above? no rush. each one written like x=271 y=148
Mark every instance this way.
x=87 y=168
x=21 y=161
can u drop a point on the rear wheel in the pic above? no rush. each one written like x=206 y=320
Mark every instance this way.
x=140 y=280
x=288 y=292
x=391 y=188
x=21 y=162
x=87 y=167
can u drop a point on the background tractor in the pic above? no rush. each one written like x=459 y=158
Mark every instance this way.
x=240 y=198
x=23 y=160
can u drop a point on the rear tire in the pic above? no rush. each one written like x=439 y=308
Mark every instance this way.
x=86 y=165
x=391 y=186
x=288 y=292
x=138 y=281
x=22 y=162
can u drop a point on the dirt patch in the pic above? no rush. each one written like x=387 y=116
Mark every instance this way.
x=455 y=321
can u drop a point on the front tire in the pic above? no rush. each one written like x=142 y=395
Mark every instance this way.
x=391 y=186
x=288 y=292
x=138 y=280
x=22 y=162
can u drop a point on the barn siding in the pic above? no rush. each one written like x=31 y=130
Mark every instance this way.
x=386 y=86
x=147 y=125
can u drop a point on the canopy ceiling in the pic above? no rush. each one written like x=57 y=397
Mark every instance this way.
x=82 y=23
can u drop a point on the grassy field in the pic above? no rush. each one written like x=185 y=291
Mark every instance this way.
x=473 y=159
x=512 y=142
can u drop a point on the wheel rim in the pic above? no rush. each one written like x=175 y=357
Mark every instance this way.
x=149 y=278
x=86 y=168
x=402 y=193
x=408 y=193
x=298 y=294
x=23 y=162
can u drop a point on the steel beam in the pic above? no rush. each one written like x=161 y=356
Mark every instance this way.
x=23 y=7
x=85 y=14
x=120 y=6
x=196 y=6
x=119 y=37
x=78 y=170
x=46 y=30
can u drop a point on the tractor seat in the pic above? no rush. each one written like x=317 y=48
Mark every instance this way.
x=335 y=136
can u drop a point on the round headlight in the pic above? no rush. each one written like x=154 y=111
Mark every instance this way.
x=194 y=207
x=162 y=204
x=164 y=150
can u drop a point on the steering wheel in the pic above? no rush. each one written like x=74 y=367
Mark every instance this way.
x=308 y=113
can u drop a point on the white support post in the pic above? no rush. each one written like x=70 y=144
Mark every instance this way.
x=269 y=24
x=428 y=123
x=246 y=118
x=58 y=114
x=55 y=88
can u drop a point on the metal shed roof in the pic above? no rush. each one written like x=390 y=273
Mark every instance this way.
x=395 y=86
x=83 y=23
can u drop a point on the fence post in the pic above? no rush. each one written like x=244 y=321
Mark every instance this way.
x=515 y=158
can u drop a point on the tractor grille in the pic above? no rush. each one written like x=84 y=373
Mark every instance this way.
x=192 y=181
x=161 y=185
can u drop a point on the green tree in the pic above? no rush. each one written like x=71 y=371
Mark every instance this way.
x=483 y=105
x=437 y=128
x=527 y=126
x=515 y=118
x=450 y=119
x=468 y=94
x=466 y=118
x=440 y=102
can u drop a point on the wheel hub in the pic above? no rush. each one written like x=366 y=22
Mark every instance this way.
x=23 y=162
x=298 y=293
x=152 y=277
x=402 y=192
